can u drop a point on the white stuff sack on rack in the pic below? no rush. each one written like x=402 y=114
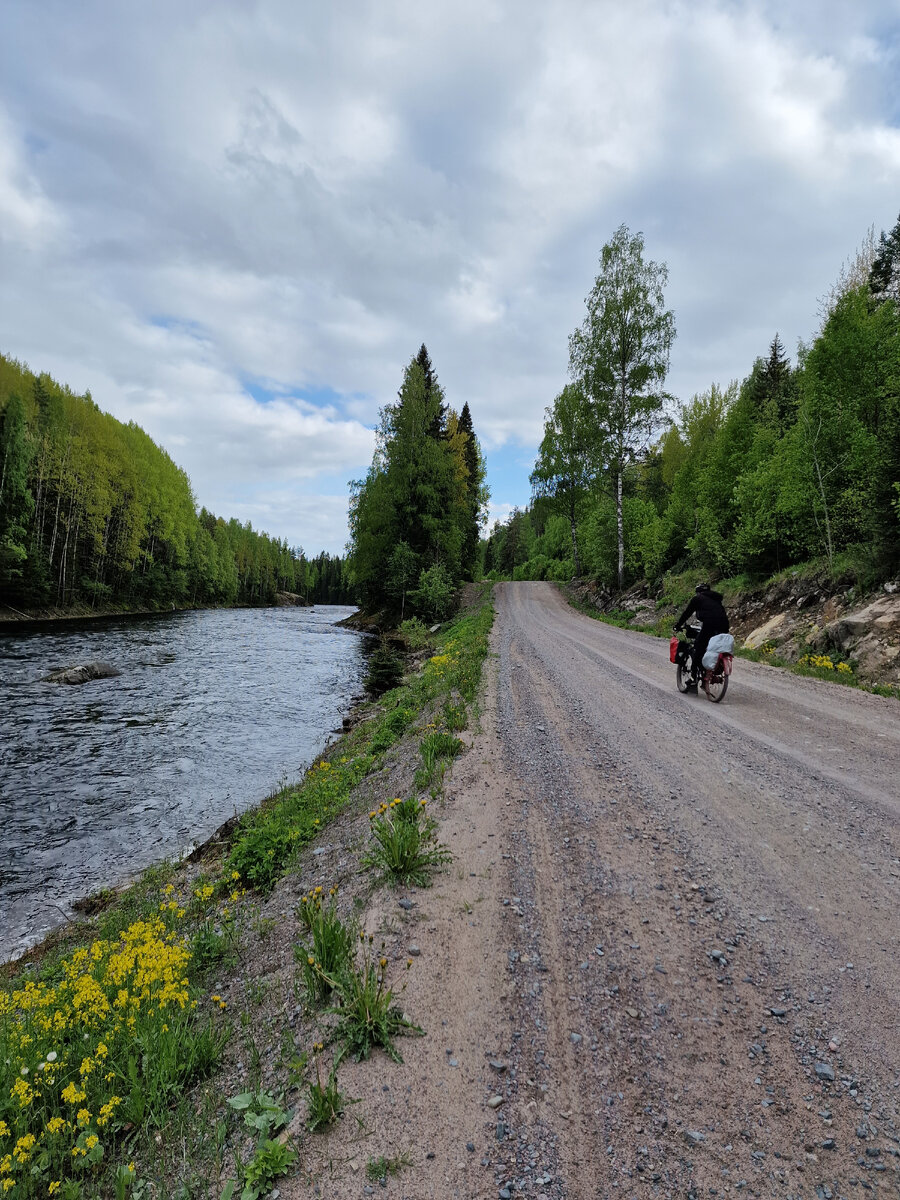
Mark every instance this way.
x=721 y=643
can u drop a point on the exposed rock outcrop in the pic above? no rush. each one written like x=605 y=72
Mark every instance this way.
x=290 y=600
x=810 y=619
x=83 y=674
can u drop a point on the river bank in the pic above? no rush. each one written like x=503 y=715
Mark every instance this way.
x=235 y=907
x=12 y=618
x=207 y=712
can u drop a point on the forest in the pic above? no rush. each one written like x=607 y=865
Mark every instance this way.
x=797 y=463
x=94 y=515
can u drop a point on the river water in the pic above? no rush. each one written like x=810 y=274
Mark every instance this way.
x=211 y=712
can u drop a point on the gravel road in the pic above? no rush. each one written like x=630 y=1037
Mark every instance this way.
x=664 y=962
x=702 y=920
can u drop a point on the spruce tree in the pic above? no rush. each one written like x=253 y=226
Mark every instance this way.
x=884 y=278
x=438 y=426
x=476 y=492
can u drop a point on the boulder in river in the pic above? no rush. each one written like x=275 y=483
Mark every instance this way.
x=290 y=600
x=82 y=674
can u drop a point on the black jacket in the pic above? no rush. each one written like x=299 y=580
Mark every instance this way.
x=708 y=607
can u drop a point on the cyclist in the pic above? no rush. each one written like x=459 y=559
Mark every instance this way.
x=707 y=606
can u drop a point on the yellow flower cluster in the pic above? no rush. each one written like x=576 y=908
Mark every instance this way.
x=440 y=664
x=65 y=1044
x=824 y=661
x=384 y=808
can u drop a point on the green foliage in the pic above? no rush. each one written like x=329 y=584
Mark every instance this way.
x=378 y=1169
x=415 y=633
x=261 y=1112
x=404 y=847
x=798 y=462
x=391 y=728
x=385 y=669
x=419 y=507
x=620 y=357
x=455 y=716
x=71 y=1086
x=271 y=1160
x=331 y=950
x=434 y=747
x=267 y=839
x=435 y=596
x=214 y=942
x=324 y=1101
x=92 y=512
x=368 y=1018
x=569 y=460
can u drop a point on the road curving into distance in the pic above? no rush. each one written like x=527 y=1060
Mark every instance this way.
x=707 y=942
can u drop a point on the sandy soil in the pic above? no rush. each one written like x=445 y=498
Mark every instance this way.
x=668 y=942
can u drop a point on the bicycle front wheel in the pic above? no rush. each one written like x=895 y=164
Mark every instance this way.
x=683 y=675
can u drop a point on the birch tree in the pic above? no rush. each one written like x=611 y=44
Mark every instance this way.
x=620 y=357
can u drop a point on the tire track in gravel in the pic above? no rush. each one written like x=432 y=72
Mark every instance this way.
x=682 y=1058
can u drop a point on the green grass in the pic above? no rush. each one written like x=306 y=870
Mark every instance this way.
x=325 y=1101
x=368 y=1018
x=331 y=948
x=404 y=846
x=378 y=1169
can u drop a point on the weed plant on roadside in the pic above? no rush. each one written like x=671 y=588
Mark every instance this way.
x=332 y=948
x=404 y=845
x=324 y=1101
x=367 y=1016
x=378 y=1169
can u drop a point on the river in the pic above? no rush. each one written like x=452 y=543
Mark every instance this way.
x=211 y=712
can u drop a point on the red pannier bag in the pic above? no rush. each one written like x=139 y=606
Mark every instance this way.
x=673 y=648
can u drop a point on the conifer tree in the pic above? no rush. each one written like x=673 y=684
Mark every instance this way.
x=884 y=277
x=477 y=493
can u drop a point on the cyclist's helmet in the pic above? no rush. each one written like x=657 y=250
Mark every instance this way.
x=701 y=587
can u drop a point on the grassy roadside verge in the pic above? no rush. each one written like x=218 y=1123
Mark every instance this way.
x=810 y=665
x=124 y=1072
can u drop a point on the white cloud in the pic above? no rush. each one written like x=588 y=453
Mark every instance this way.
x=26 y=216
x=199 y=200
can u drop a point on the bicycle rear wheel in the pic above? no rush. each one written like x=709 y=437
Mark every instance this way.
x=715 y=685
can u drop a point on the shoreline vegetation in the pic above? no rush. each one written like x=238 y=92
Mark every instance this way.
x=52 y=615
x=145 y=1050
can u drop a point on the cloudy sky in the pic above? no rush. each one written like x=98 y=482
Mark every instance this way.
x=235 y=221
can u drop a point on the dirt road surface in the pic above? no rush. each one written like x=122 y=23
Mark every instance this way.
x=666 y=961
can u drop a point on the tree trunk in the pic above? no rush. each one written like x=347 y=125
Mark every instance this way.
x=620 y=526
x=55 y=529
x=574 y=528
